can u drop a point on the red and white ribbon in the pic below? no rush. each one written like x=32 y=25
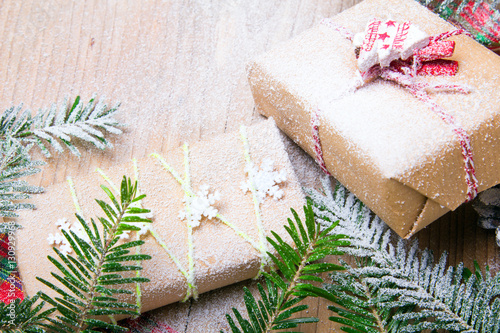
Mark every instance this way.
x=425 y=59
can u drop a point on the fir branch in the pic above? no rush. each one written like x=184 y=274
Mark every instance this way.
x=15 y=163
x=399 y=289
x=23 y=316
x=297 y=265
x=90 y=282
x=56 y=126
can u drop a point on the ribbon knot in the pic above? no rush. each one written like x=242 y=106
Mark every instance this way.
x=409 y=53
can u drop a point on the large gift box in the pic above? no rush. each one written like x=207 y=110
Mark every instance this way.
x=405 y=146
x=241 y=187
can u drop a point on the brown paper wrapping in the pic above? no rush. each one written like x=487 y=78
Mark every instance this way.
x=382 y=143
x=221 y=256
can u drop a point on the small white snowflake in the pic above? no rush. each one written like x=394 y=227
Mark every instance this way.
x=145 y=228
x=266 y=180
x=65 y=248
x=58 y=239
x=63 y=223
x=55 y=239
x=201 y=205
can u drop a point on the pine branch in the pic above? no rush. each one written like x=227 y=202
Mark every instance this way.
x=56 y=126
x=399 y=289
x=23 y=316
x=90 y=282
x=279 y=302
x=15 y=163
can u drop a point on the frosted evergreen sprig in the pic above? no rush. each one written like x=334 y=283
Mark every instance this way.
x=15 y=163
x=53 y=127
x=24 y=316
x=283 y=293
x=399 y=288
x=57 y=125
x=91 y=281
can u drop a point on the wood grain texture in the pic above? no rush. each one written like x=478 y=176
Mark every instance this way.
x=178 y=68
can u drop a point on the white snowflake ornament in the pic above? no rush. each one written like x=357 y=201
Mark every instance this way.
x=79 y=231
x=55 y=239
x=60 y=241
x=65 y=248
x=201 y=204
x=145 y=228
x=63 y=224
x=124 y=235
x=265 y=180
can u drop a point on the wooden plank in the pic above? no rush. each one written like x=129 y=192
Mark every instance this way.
x=178 y=68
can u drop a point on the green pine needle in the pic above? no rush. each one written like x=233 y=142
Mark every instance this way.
x=280 y=300
x=87 y=284
x=24 y=316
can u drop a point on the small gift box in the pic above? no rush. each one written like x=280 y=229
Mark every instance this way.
x=411 y=134
x=239 y=187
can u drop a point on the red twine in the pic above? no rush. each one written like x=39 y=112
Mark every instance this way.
x=419 y=91
x=346 y=33
x=317 y=143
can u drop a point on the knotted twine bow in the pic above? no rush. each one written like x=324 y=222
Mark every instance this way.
x=424 y=61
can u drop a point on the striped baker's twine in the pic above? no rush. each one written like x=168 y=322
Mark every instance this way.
x=315 y=114
x=318 y=151
x=418 y=90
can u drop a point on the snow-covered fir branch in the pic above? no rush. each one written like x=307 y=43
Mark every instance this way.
x=16 y=163
x=58 y=125
x=53 y=127
x=398 y=288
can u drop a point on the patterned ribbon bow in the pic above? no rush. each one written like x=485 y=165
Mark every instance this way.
x=404 y=53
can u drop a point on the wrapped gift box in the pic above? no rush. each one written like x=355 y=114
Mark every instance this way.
x=387 y=146
x=221 y=255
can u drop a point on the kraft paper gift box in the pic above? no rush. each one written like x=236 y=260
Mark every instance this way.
x=385 y=145
x=221 y=254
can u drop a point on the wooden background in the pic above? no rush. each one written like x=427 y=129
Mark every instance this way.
x=178 y=68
